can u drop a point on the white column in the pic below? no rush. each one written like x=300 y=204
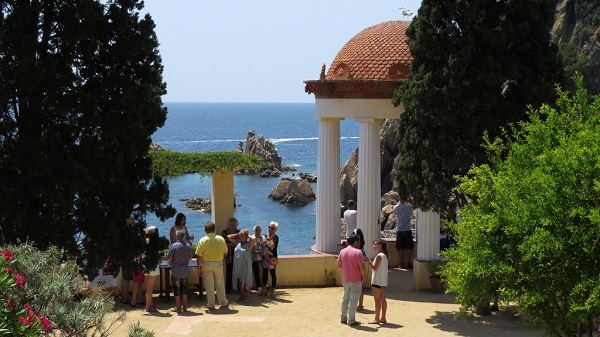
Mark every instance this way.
x=369 y=182
x=328 y=186
x=428 y=235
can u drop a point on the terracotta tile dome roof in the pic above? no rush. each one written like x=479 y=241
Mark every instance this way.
x=379 y=52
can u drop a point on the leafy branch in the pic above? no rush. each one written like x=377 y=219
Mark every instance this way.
x=172 y=163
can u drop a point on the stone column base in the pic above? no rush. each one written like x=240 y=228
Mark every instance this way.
x=420 y=275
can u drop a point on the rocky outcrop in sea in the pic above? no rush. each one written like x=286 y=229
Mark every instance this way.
x=199 y=204
x=293 y=192
x=265 y=149
x=311 y=177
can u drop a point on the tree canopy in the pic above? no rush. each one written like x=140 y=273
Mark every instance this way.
x=532 y=229
x=477 y=65
x=80 y=95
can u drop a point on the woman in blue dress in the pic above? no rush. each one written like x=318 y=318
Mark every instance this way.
x=242 y=264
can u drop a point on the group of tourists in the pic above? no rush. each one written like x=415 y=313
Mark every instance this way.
x=241 y=261
x=245 y=256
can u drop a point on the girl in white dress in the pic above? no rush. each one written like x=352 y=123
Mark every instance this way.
x=379 y=279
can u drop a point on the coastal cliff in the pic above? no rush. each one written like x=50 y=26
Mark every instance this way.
x=388 y=148
x=576 y=30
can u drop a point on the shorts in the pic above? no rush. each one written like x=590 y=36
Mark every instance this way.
x=138 y=278
x=179 y=285
x=376 y=286
x=155 y=272
x=127 y=272
x=404 y=240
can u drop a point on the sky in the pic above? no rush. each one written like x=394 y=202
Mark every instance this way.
x=260 y=50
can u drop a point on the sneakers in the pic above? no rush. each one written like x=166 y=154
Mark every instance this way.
x=354 y=323
x=343 y=321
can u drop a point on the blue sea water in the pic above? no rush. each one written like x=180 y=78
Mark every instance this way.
x=207 y=127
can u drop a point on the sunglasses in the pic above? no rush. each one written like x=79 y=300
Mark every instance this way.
x=271 y=227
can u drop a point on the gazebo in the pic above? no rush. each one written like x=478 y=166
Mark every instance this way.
x=359 y=84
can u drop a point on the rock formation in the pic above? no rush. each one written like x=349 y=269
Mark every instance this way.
x=293 y=192
x=265 y=149
x=311 y=177
x=574 y=24
x=155 y=147
x=388 y=145
x=199 y=204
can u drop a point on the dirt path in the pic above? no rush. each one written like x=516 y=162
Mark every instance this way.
x=315 y=312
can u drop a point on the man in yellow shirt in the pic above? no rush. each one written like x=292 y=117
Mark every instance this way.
x=210 y=251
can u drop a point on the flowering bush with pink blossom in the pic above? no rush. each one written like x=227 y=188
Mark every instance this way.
x=17 y=318
x=41 y=293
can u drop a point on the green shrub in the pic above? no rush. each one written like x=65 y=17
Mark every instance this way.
x=55 y=290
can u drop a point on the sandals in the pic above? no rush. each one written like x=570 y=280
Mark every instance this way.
x=381 y=321
x=272 y=296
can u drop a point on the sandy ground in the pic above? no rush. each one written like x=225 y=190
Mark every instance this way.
x=316 y=312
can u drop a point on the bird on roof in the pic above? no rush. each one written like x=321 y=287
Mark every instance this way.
x=406 y=11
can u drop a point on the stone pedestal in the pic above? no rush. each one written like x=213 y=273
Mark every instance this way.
x=222 y=199
x=420 y=275
x=428 y=237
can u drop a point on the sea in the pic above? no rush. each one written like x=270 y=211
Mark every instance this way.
x=209 y=127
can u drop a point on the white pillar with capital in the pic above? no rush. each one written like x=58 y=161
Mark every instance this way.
x=369 y=181
x=328 y=186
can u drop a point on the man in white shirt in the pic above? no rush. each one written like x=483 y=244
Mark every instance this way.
x=350 y=217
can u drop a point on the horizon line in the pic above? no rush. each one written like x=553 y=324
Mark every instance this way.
x=239 y=102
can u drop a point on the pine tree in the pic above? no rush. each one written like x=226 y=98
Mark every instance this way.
x=80 y=96
x=477 y=65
